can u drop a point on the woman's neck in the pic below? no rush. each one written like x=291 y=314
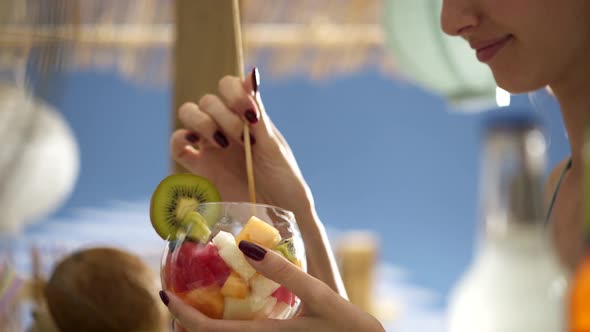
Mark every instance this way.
x=573 y=94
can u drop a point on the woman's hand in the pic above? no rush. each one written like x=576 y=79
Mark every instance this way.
x=322 y=309
x=215 y=125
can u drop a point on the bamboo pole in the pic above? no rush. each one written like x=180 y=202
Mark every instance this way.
x=204 y=51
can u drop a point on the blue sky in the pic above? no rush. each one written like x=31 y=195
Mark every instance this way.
x=379 y=154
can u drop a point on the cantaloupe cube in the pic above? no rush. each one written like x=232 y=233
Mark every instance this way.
x=235 y=287
x=259 y=232
x=207 y=300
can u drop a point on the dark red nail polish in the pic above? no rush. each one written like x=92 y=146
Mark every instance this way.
x=251 y=116
x=192 y=137
x=221 y=139
x=255 y=76
x=164 y=297
x=252 y=250
x=252 y=139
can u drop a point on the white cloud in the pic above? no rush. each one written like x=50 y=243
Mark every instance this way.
x=412 y=308
x=124 y=225
x=415 y=306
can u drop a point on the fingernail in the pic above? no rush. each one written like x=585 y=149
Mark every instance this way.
x=255 y=76
x=221 y=139
x=252 y=139
x=251 y=116
x=252 y=250
x=192 y=137
x=164 y=297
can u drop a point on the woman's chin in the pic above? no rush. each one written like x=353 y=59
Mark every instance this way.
x=517 y=84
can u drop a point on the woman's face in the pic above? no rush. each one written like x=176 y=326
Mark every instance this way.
x=528 y=44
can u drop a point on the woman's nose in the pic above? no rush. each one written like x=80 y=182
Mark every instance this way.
x=459 y=16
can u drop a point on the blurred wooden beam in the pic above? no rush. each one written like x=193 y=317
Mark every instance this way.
x=204 y=51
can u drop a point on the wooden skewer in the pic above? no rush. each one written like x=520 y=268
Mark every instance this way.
x=249 y=166
x=240 y=66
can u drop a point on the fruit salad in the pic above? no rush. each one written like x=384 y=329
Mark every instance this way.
x=202 y=263
x=216 y=279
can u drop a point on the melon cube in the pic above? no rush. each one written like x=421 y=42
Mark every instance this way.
x=266 y=308
x=207 y=300
x=248 y=308
x=235 y=287
x=280 y=311
x=259 y=232
x=232 y=255
x=238 y=309
x=262 y=287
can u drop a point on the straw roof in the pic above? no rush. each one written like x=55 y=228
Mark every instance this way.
x=135 y=37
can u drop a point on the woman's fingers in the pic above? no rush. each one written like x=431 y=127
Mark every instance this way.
x=182 y=147
x=229 y=122
x=194 y=321
x=314 y=293
x=202 y=124
x=219 y=121
x=239 y=97
x=177 y=327
x=239 y=100
x=187 y=316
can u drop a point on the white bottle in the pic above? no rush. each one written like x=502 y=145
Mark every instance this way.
x=515 y=282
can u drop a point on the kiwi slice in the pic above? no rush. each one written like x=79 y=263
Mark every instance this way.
x=175 y=197
x=196 y=226
x=287 y=248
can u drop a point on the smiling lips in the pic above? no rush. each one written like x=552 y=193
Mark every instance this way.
x=486 y=50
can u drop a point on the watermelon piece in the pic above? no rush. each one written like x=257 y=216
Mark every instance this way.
x=165 y=273
x=210 y=258
x=282 y=294
x=199 y=277
x=195 y=266
x=176 y=265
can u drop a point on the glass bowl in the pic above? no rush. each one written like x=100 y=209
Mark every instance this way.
x=203 y=265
